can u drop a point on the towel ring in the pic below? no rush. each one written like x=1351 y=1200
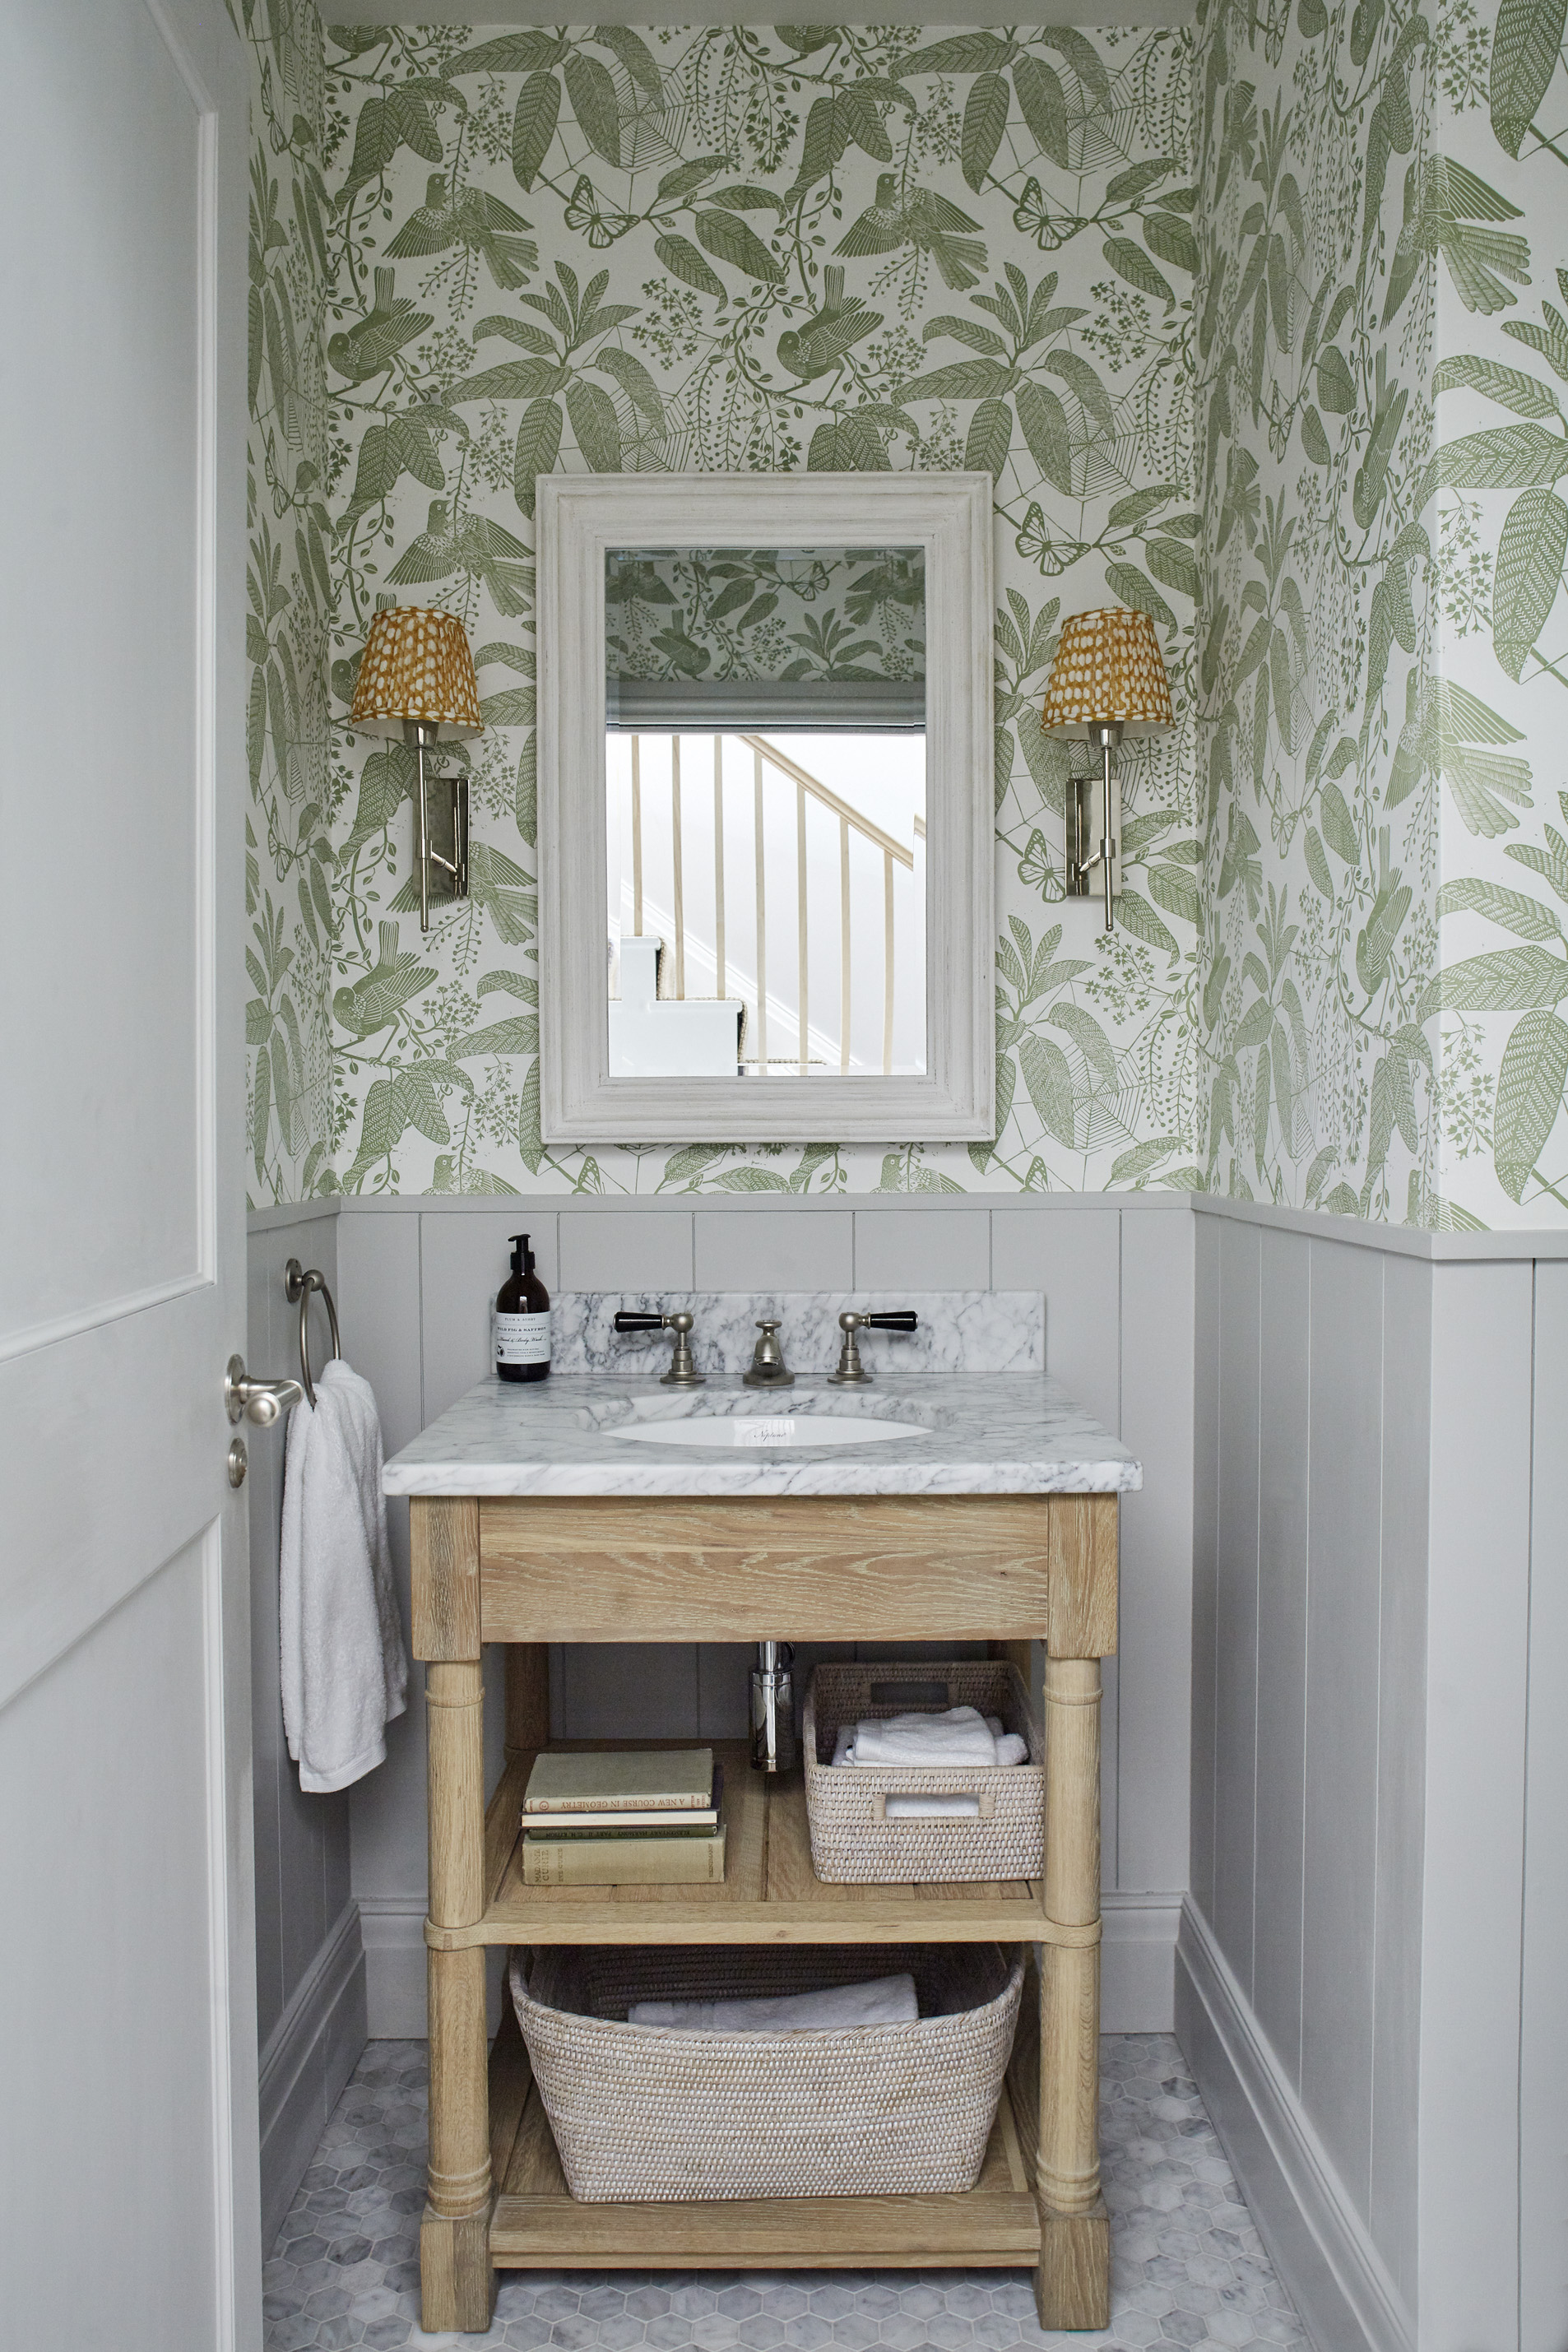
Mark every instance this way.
x=298 y=1282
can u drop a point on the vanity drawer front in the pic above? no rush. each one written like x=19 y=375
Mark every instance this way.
x=886 y=1568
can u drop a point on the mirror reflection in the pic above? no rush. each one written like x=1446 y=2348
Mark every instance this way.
x=765 y=804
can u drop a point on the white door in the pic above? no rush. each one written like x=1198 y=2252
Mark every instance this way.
x=128 y=2149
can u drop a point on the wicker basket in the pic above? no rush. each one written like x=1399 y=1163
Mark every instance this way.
x=662 y=2113
x=852 y=1839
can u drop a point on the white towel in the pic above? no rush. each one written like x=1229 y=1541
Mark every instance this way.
x=885 y=2001
x=1009 y=1746
x=959 y=1736
x=344 y=1670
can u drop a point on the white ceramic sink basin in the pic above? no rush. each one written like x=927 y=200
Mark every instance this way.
x=756 y=1432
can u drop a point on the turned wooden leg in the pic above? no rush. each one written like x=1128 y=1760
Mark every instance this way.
x=457 y=2283
x=1072 y=2287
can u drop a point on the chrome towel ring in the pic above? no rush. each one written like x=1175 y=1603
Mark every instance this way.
x=299 y=1281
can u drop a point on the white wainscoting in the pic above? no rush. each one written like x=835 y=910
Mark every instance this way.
x=1370 y=1981
x=416 y=1279
x=310 y=1972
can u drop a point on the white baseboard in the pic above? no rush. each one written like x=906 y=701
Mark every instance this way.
x=394 y=1977
x=1138 y=1963
x=1316 y=2241
x=309 y=2056
x=1137 y=1982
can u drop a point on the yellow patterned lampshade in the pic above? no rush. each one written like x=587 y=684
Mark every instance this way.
x=1108 y=667
x=417 y=664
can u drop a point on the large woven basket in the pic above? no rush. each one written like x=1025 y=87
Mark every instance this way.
x=852 y=1839
x=662 y=2113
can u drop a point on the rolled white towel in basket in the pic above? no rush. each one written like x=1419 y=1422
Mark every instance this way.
x=885 y=2001
x=959 y=1736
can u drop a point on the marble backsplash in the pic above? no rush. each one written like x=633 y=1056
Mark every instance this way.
x=959 y=1330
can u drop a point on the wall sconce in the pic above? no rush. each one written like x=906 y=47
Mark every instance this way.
x=417 y=680
x=1108 y=681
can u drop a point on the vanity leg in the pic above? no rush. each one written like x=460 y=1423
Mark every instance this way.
x=457 y=2283
x=1072 y=2286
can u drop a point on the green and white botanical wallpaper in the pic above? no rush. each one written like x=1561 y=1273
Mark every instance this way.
x=1265 y=329
x=752 y=250
x=1500 y=459
x=1381 y=363
x=290 y=866
x=1318 y=738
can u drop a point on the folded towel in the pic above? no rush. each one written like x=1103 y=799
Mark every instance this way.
x=344 y=1670
x=885 y=2001
x=867 y=1742
x=957 y=1736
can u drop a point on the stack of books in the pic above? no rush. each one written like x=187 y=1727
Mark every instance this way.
x=633 y=1817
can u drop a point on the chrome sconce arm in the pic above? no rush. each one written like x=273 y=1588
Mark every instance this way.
x=452 y=799
x=1106 y=735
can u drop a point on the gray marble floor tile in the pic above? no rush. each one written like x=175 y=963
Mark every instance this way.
x=1188 y=2270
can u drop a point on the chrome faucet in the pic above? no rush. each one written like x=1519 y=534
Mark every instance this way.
x=769 y=1370
x=683 y=1373
x=852 y=1372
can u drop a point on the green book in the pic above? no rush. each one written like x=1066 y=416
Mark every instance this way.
x=634 y=1780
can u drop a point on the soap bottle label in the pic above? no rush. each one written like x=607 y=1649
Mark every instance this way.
x=522 y=1339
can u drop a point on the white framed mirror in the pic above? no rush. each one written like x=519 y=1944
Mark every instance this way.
x=765 y=807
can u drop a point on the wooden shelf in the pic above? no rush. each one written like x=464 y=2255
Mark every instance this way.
x=537 y=2224
x=770 y=1894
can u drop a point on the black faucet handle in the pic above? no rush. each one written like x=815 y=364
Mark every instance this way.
x=629 y=1322
x=897 y=1318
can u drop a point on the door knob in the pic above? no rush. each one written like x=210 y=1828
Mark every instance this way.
x=262 y=1402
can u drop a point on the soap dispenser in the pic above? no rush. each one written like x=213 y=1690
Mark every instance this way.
x=522 y=1319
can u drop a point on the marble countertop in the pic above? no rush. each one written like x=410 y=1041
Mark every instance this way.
x=970 y=1433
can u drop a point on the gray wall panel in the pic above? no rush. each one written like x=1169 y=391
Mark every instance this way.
x=1235 y=1619
x=625 y=1249
x=1544 y=2027
x=922 y=1249
x=1207 y=1346
x=379 y=1302
x=1401 y=1738
x=1343 y=1616
x=1284 y=1423
x=1473 y=1886
x=1155 y=1676
x=775 y=1250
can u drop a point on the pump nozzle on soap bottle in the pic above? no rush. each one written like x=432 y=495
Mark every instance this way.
x=522 y=1319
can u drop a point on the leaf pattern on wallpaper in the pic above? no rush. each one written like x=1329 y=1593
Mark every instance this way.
x=1500 y=465
x=795 y=248
x=1322 y=215
x=289 y=859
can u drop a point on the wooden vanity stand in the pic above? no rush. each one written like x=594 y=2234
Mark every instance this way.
x=526 y=1572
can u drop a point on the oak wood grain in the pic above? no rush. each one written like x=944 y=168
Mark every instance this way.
x=444 y=1548
x=1072 y=2283
x=1083 y=1551
x=621 y=1569
x=770 y=1893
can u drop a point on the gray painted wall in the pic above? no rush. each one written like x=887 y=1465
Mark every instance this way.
x=1370 y=1980
x=1309 y=1655
x=309 y=1970
x=417 y=1278
x=1344 y=1639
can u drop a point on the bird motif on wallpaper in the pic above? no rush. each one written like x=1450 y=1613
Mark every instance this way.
x=926 y=221
x=474 y=545
x=369 y=347
x=473 y=218
x=818 y=344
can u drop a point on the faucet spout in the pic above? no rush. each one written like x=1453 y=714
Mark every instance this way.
x=769 y=1370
